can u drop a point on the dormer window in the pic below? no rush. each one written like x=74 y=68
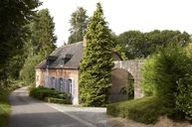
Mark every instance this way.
x=67 y=58
x=50 y=59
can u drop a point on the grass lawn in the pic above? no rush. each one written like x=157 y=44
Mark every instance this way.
x=4 y=108
x=146 y=110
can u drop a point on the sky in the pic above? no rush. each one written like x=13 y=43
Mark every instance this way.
x=124 y=15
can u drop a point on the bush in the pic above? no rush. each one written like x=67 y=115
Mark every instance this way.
x=184 y=95
x=4 y=104
x=167 y=76
x=41 y=93
x=49 y=95
x=57 y=100
x=5 y=91
x=146 y=110
x=4 y=108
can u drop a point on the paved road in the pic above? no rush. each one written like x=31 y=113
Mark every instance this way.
x=28 y=112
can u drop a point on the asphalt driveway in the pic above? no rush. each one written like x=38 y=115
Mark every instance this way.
x=28 y=112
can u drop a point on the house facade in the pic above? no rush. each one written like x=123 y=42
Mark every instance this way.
x=60 y=70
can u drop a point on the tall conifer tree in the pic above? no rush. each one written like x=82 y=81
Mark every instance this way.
x=97 y=62
x=40 y=44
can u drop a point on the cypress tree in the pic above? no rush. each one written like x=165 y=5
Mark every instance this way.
x=97 y=62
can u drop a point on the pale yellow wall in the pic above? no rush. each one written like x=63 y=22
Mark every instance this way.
x=58 y=73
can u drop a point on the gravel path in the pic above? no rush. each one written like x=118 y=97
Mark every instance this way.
x=28 y=112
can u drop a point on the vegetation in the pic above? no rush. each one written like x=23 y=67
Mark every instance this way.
x=39 y=45
x=167 y=81
x=27 y=37
x=97 y=62
x=78 y=22
x=4 y=104
x=4 y=108
x=14 y=16
x=135 y=44
x=49 y=95
x=146 y=110
x=167 y=75
x=57 y=100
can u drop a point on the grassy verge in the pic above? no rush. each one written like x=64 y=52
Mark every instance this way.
x=4 y=108
x=146 y=110
x=4 y=103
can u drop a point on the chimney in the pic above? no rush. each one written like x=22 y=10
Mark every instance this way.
x=84 y=41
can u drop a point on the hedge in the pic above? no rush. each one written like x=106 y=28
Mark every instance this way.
x=49 y=95
x=146 y=110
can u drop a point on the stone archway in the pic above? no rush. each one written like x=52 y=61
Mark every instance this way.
x=134 y=68
x=122 y=86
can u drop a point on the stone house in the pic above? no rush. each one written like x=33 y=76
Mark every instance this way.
x=60 y=70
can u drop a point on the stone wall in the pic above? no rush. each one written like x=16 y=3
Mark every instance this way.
x=134 y=68
x=120 y=83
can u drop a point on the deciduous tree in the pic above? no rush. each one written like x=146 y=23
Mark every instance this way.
x=14 y=15
x=78 y=23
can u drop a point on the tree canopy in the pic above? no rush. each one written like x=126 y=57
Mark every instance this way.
x=40 y=43
x=78 y=22
x=14 y=16
x=135 y=44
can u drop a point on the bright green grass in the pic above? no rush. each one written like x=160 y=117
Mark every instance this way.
x=4 y=108
x=146 y=110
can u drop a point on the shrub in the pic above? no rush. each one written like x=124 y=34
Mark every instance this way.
x=146 y=110
x=49 y=95
x=57 y=100
x=167 y=76
x=4 y=106
x=41 y=93
x=184 y=95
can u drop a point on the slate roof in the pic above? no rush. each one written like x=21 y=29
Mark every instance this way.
x=67 y=57
x=57 y=59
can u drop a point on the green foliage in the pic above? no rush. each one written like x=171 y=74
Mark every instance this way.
x=135 y=44
x=167 y=75
x=27 y=74
x=14 y=66
x=78 y=25
x=42 y=38
x=148 y=75
x=146 y=110
x=4 y=107
x=41 y=93
x=97 y=62
x=4 y=103
x=167 y=67
x=130 y=89
x=40 y=44
x=184 y=95
x=49 y=95
x=57 y=100
x=14 y=16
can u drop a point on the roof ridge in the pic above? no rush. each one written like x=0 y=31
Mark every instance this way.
x=70 y=44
